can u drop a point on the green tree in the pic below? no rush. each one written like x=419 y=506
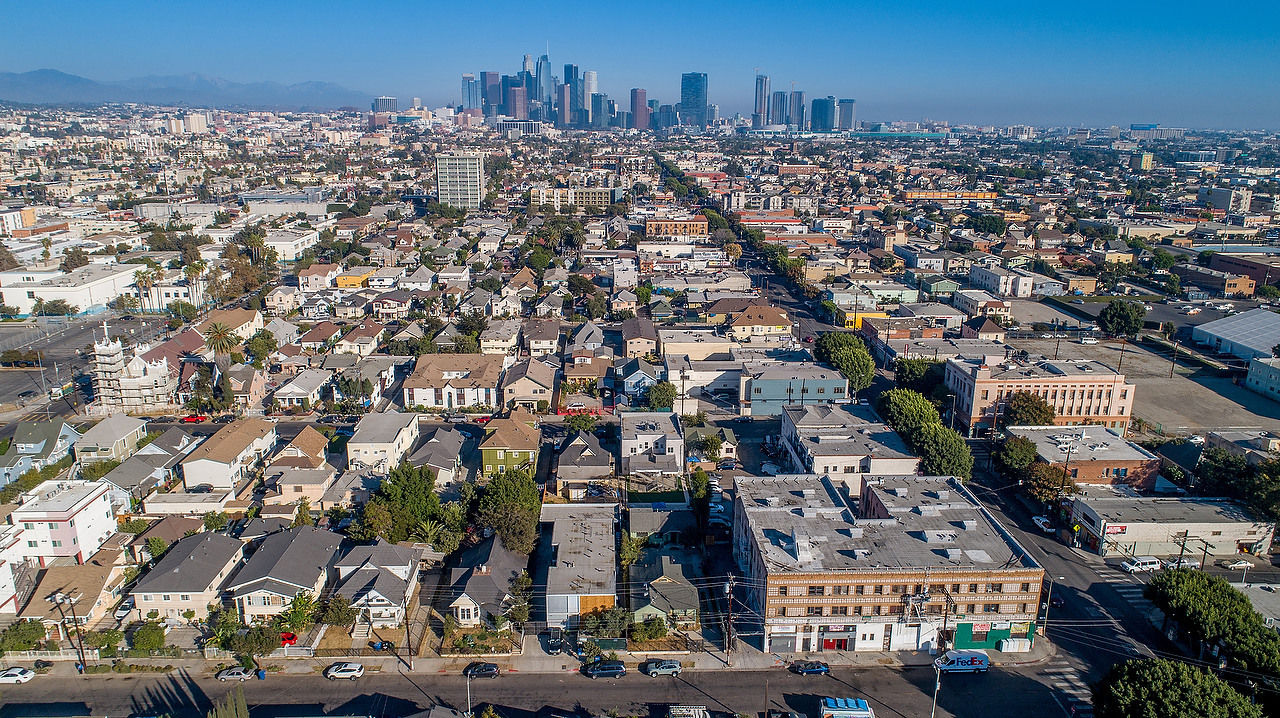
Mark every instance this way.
x=300 y=613
x=215 y=520
x=907 y=412
x=662 y=396
x=302 y=516
x=1121 y=317
x=1205 y=257
x=156 y=546
x=148 y=637
x=521 y=601
x=220 y=339
x=510 y=505
x=1146 y=688
x=233 y=706
x=580 y=422
x=943 y=452
x=338 y=612
x=260 y=346
x=1023 y=408
x=106 y=638
x=711 y=447
x=629 y=552
x=186 y=311
x=643 y=294
x=847 y=353
x=1016 y=454
x=1046 y=482
x=74 y=258
x=1221 y=472
x=918 y=374
x=1212 y=612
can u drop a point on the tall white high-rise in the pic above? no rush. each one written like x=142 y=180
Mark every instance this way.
x=589 y=84
x=460 y=179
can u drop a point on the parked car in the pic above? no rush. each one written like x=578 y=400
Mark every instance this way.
x=653 y=669
x=1237 y=564
x=225 y=419
x=604 y=669
x=809 y=339
x=483 y=419
x=350 y=671
x=810 y=668
x=239 y=673
x=725 y=465
x=1182 y=563
x=716 y=508
x=194 y=419
x=17 y=674
x=1088 y=340
x=288 y=639
x=1043 y=523
x=124 y=610
x=1056 y=602
x=482 y=670
x=555 y=640
x=1077 y=301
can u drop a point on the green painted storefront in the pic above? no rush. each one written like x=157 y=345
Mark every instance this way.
x=971 y=635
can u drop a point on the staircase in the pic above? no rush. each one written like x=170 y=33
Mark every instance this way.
x=362 y=631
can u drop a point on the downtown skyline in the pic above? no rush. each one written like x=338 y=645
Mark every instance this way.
x=991 y=63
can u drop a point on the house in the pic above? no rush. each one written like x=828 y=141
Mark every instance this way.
x=318 y=276
x=188 y=578
x=662 y=589
x=623 y=300
x=168 y=529
x=639 y=338
x=587 y=337
x=304 y=390
x=454 y=381
x=501 y=337
x=527 y=383
x=115 y=438
x=35 y=445
x=981 y=327
x=382 y=440
x=393 y=305
x=523 y=284
x=511 y=442
x=320 y=337
x=151 y=465
x=663 y=524
x=582 y=578
x=284 y=299
x=96 y=584
x=541 y=337
x=248 y=386
x=839 y=440
x=761 y=324
x=64 y=519
x=354 y=306
x=377 y=581
x=480 y=585
x=307 y=450
x=361 y=341
x=243 y=323
x=286 y=564
x=695 y=438
x=227 y=457
x=652 y=443
x=422 y=279
x=581 y=459
x=441 y=451
x=634 y=376
x=354 y=278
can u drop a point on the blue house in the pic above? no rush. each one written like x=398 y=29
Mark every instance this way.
x=766 y=388
x=633 y=377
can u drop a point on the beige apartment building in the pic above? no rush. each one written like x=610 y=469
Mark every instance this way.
x=1080 y=392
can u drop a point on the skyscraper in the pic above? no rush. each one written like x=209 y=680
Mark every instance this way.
x=823 y=118
x=693 y=99
x=542 y=79
x=639 y=109
x=471 y=94
x=491 y=88
x=796 y=114
x=589 y=86
x=460 y=179
x=416 y=103
x=778 y=108
x=518 y=103
x=385 y=104
x=528 y=64
x=761 y=115
x=848 y=114
x=564 y=97
x=600 y=113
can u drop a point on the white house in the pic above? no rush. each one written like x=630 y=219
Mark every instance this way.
x=226 y=457
x=64 y=518
x=377 y=580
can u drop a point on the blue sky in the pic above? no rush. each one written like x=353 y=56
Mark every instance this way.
x=1097 y=63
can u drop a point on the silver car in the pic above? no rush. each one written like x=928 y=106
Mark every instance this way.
x=349 y=671
x=662 y=668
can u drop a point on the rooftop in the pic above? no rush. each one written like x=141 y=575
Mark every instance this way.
x=1055 y=444
x=57 y=497
x=583 y=557
x=1143 y=510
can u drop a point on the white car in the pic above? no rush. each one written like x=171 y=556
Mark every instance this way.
x=239 y=673
x=125 y=609
x=1237 y=565
x=16 y=674
x=717 y=508
x=1043 y=523
x=350 y=671
x=1182 y=563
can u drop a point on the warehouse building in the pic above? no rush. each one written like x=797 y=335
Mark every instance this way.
x=1247 y=335
x=1145 y=526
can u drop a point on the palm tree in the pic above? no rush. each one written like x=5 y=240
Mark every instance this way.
x=193 y=273
x=220 y=340
x=144 y=280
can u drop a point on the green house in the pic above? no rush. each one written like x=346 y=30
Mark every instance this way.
x=510 y=443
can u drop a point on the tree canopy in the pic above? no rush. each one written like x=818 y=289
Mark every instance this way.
x=662 y=396
x=848 y=354
x=1143 y=688
x=1121 y=317
x=1022 y=408
x=943 y=452
x=1017 y=454
x=907 y=411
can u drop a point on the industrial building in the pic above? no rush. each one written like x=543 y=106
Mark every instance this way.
x=1247 y=335
x=1149 y=526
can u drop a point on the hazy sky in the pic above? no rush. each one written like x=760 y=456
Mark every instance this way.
x=1097 y=63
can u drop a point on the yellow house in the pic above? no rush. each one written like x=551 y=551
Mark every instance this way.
x=355 y=277
x=853 y=320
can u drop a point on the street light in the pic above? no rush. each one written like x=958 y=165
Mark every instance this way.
x=937 y=683
x=1049 y=600
x=468 y=695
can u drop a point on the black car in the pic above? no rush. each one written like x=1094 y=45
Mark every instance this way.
x=555 y=641
x=482 y=670
x=604 y=669
x=225 y=419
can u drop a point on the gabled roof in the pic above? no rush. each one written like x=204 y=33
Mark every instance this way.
x=440 y=449
x=637 y=328
x=761 y=316
x=305 y=451
x=293 y=559
x=110 y=430
x=191 y=565
x=533 y=370
x=583 y=448
x=227 y=444
x=484 y=573
x=512 y=432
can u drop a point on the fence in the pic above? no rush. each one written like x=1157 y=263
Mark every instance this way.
x=63 y=655
x=213 y=653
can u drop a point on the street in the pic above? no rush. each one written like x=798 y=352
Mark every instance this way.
x=892 y=692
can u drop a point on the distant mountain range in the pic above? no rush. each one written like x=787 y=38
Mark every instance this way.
x=55 y=87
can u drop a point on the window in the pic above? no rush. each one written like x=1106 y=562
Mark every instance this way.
x=1026 y=588
x=839 y=610
x=164 y=597
x=822 y=390
x=955 y=588
x=817 y=591
x=1022 y=608
x=851 y=469
x=28 y=526
x=782 y=590
x=782 y=611
x=859 y=590
x=32 y=544
x=53 y=526
x=297 y=489
x=839 y=590
x=838 y=390
x=57 y=544
x=147 y=597
x=857 y=610
x=878 y=589
x=876 y=610
x=995 y=588
x=756 y=390
x=991 y=608
x=973 y=588
x=185 y=597
x=813 y=610
x=970 y=608
x=897 y=588
x=501 y=455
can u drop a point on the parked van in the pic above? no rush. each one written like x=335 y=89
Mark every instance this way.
x=963 y=662
x=1141 y=563
x=1088 y=340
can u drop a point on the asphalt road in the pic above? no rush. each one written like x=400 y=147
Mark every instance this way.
x=892 y=692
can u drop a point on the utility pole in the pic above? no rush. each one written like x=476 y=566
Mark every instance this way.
x=728 y=627
x=1174 y=362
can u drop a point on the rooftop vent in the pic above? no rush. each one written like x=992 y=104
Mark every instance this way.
x=969 y=524
x=856 y=532
x=899 y=491
x=953 y=552
x=942 y=493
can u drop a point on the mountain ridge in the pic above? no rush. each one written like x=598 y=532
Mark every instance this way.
x=49 y=86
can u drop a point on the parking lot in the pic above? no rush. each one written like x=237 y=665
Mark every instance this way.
x=1193 y=400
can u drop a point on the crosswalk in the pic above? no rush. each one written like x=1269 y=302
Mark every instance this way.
x=1066 y=681
x=1129 y=586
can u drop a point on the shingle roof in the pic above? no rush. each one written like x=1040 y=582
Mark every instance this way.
x=294 y=558
x=484 y=573
x=190 y=565
x=230 y=440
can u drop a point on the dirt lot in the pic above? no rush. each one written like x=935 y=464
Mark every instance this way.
x=1193 y=401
